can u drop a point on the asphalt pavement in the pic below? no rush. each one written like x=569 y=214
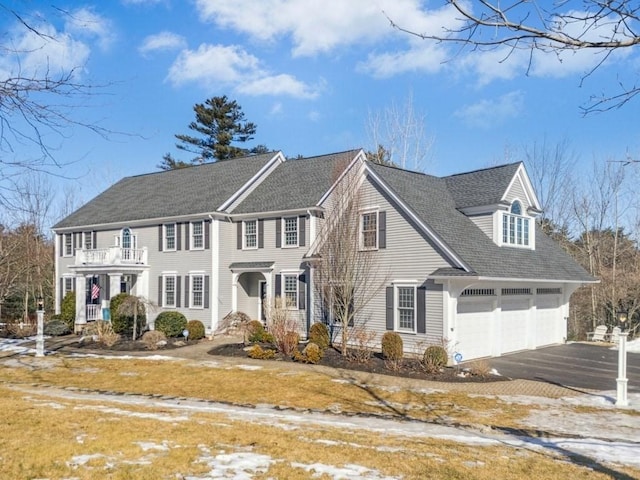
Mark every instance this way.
x=588 y=366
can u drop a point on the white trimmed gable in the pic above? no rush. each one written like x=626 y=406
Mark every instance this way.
x=521 y=189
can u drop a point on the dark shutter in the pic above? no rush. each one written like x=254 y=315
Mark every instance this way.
x=187 y=279
x=421 y=316
x=351 y=313
x=239 y=240
x=382 y=229
x=302 y=230
x=261 y=233
x=62 y=292
x=390 y=308
x=278 y=232
x=61 y=244
x=107 y=289
x=302 y=292
x=73 y=284
x=178 y=292
x=77 y=242
x=160 y=282
x=94 y=239
x=187 y=231
x=160 y=239
x=207 y=234
x=206 y=291
x=278 y=285
x=179 y=236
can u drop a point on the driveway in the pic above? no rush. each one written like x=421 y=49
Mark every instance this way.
x=574 y=365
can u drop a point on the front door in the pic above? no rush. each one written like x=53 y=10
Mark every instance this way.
x=262 y=300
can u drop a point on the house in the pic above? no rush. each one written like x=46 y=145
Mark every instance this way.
x=463 y=257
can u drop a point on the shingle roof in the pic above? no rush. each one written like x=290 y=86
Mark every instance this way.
x=481 y=187
x=296 y=184
x=191 y=190
x=433 y=202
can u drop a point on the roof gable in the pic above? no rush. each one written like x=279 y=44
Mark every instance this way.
x=481 y=187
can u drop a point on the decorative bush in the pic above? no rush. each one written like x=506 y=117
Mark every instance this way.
x=196 y=329
x=392 y=347
x=104 y=332
x=261 y=353
x=435 y=357
x=56 y=327
x=284 y=327
x=153 y=339
x=255 y=331
x=312 y=353
x=121 y=307
x=68 y=309
x=171 y=323
x=319 y=334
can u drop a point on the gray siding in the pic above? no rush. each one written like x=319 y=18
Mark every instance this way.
x=517 y=192
x=484 y=223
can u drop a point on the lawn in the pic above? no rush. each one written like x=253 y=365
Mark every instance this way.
x=88 y=418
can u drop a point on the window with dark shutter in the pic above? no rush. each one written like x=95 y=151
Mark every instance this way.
x=178 y=293
x=206 y=291
x=421 y=318
x=302 y=232
x=278 y=285
x=389 y=308
x=278 y=232
x=207 y=234
x=160 y=237
x=239 y=236
x=261 y=233
x=302 y=292
x=382 y=229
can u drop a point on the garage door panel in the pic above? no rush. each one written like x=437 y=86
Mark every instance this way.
x=549 y=321
x=474 y=329
x=513 y=325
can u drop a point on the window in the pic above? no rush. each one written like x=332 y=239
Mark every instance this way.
x=290 y=290
x=67 y=286
x=515 y=227
x=197 y=235
x=369 y=231
x=169 y=299
x=250 y=234
x=197 y=291
x=87 y=241
x=170 y=236
x=68 y=244
x=406 y=308
x=290 y=232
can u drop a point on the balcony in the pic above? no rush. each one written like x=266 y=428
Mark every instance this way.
x=111 y=256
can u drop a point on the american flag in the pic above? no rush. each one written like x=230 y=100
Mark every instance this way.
x=95 y=291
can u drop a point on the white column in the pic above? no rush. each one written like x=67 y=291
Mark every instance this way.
x=621 y=394
x=40 y=334
x=234 y=292
x=142 y=284
x=214 y=287
x=81 y=302
x=114 y=284
x=311 y=307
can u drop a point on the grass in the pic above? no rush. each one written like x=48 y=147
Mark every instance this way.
x=46 y=435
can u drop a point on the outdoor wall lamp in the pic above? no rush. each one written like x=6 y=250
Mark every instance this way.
x=623 y=318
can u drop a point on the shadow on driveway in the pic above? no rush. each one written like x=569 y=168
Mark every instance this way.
x=580 y=366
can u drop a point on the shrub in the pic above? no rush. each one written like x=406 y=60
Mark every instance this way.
x=283 y=327
x=104 y=332
x=392 y=348
x=122 y=314
x=261 y=353
x=312 y=353
x=20 y=329
x=56 y=327
x=363 y=348
x=196 y=329
x=435 y=357
x=319 y=334
x=255 y=331
x=171 y=323
x=153 y=339
x=68 y=309
x=481 y=368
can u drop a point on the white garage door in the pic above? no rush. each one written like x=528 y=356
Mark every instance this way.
x=514 y=318
x=474 y=329
x=548 y=321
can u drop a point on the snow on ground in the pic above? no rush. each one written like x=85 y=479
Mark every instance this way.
x=633 y=346
x=15 y=345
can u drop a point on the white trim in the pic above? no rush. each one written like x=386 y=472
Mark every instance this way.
x=521 y=174
x=164 y=290
x=361 y=214
x=146 y=222
x=191 y=291
x=64 y=244
x=430 y=233
x=164 y=237
x=396 y=307
x=360 y=156
x=283 y=292
x=283 y=232
x=88 y=233
x=260 y=307
x=191 y=236
x=244 y=234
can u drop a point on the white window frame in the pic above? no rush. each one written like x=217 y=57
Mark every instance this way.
x=67 y=246
x=284 y=291
x=174 y=277
x=245 y=244
x=396 y=307
x=165 y=237
x=193 y=236
x=66 y=290
x=87 y=245
x=516 y=230
x=284 y=232
x=362 y=232
x=192 y=291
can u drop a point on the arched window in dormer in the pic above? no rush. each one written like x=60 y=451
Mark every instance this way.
x=516 y=227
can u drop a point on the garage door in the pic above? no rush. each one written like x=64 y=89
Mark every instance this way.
x=474 y=329
x=548 y=320
x=513 y=328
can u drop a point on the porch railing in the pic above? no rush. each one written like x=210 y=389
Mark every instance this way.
x=112 y=256
x=94 y=312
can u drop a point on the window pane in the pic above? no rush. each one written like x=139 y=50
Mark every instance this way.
x=197 y=290
x=169 y=291
x=526 y=231
x=197 y=239
x=68 y=246
x=88 y=241
x=406 y=308
x=370 y=230
x=291 y=290
x=291 y=231
x=170 y=236
x=250 y=234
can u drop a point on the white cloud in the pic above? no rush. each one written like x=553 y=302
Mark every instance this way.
x=488 y=113
x=163 y=41
x=276 y=109
x=384 y=65
x=213 y=65
x=83 y=22
x=142 y=2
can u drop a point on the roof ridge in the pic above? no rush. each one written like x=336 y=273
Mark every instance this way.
x=485 y=169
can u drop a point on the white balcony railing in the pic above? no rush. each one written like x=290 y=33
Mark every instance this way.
x=112 y=256
x=94 y=312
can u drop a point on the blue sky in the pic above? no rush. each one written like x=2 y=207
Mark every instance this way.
x=311 y=75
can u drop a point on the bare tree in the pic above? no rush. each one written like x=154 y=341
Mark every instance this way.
x=397 y=135
x=549 y=28
x=347 y=274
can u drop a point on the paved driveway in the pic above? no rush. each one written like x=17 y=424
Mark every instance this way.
x=574 y=365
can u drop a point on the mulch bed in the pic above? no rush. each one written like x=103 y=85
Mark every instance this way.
x=409 y=367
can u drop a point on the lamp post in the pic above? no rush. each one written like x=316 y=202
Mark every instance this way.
x=40 y=332
x=621 y=393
